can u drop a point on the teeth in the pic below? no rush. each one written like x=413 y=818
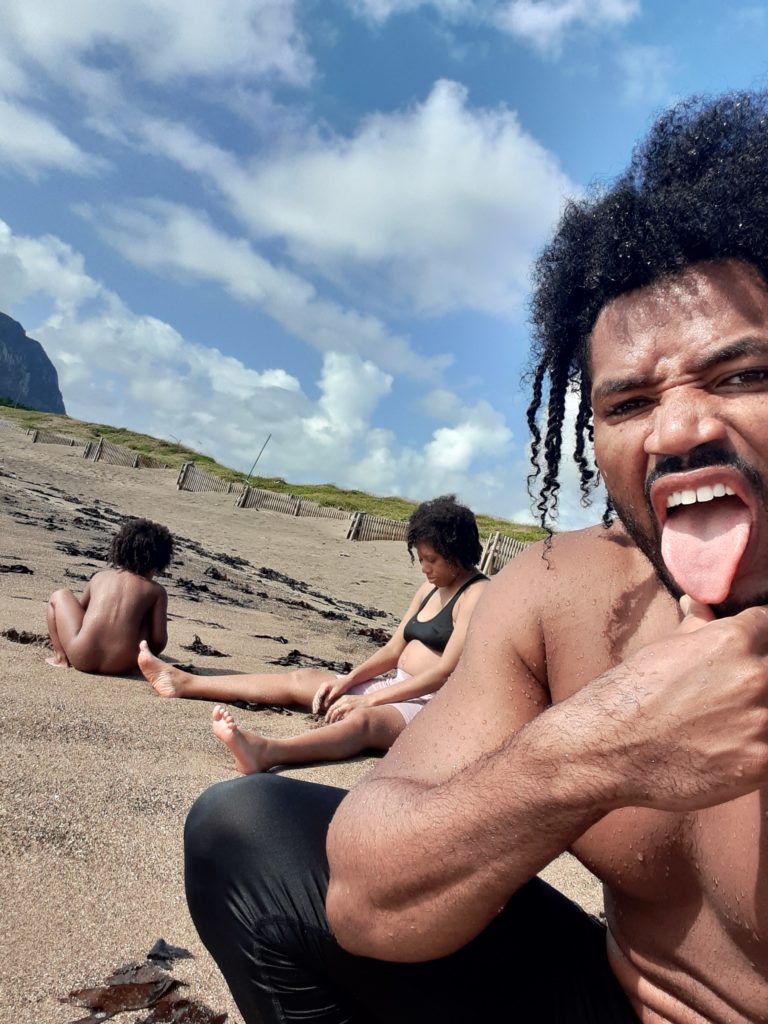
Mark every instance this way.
x=706 y=493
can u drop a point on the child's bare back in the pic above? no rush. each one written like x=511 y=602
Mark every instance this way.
x=100 y=631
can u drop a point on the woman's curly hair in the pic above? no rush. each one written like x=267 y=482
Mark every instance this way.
x=141 y=546
x=696 y=189
x=450 y=528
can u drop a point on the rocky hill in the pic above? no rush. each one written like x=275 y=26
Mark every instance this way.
x=27 y=375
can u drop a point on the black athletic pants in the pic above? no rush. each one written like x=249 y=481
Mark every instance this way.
x=256 y=876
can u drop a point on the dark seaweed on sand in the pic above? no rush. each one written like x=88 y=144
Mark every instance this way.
x=199 y=647
x=146 y=985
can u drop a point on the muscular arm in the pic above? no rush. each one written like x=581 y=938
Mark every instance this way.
x=489 y=783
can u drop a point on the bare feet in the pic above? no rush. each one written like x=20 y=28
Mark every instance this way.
x=58 y=661
x=248 y=748
x=166 y=680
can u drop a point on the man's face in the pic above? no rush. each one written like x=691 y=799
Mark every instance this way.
x=680 y=402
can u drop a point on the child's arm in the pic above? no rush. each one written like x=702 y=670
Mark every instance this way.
x=158 y=622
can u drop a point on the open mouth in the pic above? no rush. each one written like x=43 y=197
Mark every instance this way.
x=706 y=522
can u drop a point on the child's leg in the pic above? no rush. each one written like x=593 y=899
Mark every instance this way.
x=65 y=619
x=297 y=687
x=364 y=729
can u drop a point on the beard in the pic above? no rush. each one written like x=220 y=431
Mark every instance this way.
x=648 y=541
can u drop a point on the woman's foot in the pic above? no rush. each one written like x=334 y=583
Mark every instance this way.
x=166 y=680
x=58 y=661
x=248 y=748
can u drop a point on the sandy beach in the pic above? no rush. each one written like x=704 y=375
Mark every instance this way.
x=98 y=773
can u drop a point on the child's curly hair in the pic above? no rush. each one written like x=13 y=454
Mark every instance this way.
x=141 y=546
x=450 y=528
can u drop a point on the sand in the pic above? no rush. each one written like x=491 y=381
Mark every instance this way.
x=97 y=774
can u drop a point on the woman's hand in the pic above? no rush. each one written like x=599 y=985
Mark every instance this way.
x=339 y=711
x=329 y=692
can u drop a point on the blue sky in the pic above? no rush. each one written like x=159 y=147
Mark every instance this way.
x=316 y=218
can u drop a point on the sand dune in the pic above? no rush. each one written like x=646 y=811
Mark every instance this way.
x=98 y=773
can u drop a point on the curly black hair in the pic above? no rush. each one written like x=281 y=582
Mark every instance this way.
x=695 y=190
x=450 y=528
x=141 y=546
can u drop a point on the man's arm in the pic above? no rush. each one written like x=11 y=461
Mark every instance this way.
x=486 y=786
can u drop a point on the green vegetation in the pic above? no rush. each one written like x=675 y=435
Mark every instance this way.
x=11 y=403
x=175 y=454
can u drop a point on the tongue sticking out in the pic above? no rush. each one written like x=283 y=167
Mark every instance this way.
x=702 y=546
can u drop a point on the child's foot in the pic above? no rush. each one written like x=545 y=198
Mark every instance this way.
x=247 y=748
x=58 y=661
x=166 y=680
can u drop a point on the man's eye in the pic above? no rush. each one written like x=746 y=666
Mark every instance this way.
x=626 y=407
x=747 y=378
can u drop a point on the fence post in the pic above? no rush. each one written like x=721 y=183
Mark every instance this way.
x=486 y=562
x=356 y=526
x=242 y=501
x=136 y=462
x=182 y=476
x=99 y=448
x=297 y=510
x=35 y=435
x=87 y=449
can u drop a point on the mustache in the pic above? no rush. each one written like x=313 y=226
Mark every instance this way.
x=699 y=458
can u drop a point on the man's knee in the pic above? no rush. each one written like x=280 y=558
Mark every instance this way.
x=57 y=595
x=229 y=813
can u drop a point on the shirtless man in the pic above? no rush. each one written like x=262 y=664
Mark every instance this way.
x=100 y=631
x=612 y=697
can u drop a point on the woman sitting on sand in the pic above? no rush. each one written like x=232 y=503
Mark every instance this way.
x=364 y=708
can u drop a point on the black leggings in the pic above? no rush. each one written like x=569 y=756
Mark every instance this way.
x=256 y=876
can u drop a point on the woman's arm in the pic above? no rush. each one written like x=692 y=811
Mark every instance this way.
x=383 y=660
x=430 y=679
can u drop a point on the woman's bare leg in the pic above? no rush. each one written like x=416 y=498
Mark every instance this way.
x=65 y=619
x=367 y=728
x=297 y=687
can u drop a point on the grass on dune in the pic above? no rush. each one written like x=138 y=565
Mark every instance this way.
x=174 y=454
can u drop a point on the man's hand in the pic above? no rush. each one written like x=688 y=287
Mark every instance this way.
x=685 y=720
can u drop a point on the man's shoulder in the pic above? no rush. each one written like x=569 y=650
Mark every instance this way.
x=567 y=556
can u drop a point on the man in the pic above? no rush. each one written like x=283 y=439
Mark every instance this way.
x=613 y=694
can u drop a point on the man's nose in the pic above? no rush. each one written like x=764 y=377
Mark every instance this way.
x=682 y=421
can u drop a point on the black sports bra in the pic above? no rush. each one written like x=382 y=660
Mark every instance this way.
x=436 y=632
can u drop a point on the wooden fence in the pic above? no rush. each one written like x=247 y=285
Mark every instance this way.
x=116 y=455
x=191 y=478
x=368 y=527
x=498 y=550
x=288 y=504
x=46 y=437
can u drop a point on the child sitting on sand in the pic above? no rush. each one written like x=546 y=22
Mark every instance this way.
x=101 y=631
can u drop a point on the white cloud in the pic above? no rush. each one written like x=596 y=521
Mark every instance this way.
x=167 y=237
x=161 y=39
x=31 y=143
x=647 y=72
x=380 y=10
x=436 y=208
x=118 y=366
x=542 y=24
